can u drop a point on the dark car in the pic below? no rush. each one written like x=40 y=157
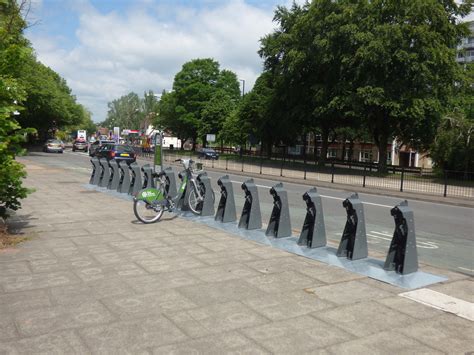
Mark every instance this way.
x=117 y=152
x=80 y=144
x=94 y=146
x=208 y=153
x=53 y=146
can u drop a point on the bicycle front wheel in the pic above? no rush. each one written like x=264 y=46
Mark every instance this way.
x=194 y=202
x=147 y=212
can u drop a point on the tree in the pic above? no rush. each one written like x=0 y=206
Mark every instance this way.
x=403 y=66
x=193 y=88
x=125 y=112
x=13 y=50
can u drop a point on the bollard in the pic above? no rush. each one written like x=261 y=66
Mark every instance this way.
x=280 y=224
x=183 y=193
x=313 y=233
x=354 y=240
x=170 y=187
x=251 y=217
x=105 y=176
x=124 y=183
x=115 y=179
x=207 y=206
x=136 y=180
x=402 y=255
x=148 y=180
x=226 y=208
x=96 y=171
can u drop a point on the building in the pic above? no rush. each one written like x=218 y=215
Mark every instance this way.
x=466 y=48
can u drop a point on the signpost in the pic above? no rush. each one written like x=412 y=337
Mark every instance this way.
x=210 y=138
x=158 y=152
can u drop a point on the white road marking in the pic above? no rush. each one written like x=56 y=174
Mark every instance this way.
x=325 y=196
x=441 y=301
x=388 y=237
x=465 y=269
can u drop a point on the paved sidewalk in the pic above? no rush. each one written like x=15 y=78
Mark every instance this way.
x=92 y=280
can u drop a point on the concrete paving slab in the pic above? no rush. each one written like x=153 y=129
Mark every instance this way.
x=64 y=342
x=223 y=317
x=37 y=281
x=349 y=292
x=223 y=272
x=447 y=333
x=157 y=282
x=288 y=304
x=227 y=343
x=296 y=335
x=220 y=292
x=383 y=343
x=135 y=306
x=284 y=281
x=22 y=301
x=131 y=336
x=52 y=319
x=364 y=318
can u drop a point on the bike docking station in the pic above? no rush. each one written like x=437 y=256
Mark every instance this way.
x=313 y=232
x=207 y=206
x=226 y=207
x=96 y=172
x=115 y=178
x=148 y=180
x=251 y=218
x=124 y=183
x=184 y=190
x=170 y=176
x=105 y=173
x=280 y=224
x=353 y=243
x=402 y=256
x=136 y=181
x=400 y=267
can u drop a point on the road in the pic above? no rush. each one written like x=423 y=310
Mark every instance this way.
x=444 y=232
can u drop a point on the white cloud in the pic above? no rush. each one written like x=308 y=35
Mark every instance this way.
x=135 y=51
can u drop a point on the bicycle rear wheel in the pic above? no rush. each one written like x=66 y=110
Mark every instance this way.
x=147 y=212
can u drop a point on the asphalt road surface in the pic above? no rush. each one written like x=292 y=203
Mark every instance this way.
x=444 y=232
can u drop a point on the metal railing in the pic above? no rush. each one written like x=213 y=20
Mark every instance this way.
x=448 y=184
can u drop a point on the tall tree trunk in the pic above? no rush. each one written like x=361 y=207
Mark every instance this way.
x=381 y=141
x=343 y=153
x=350 y=155
x=324 y=146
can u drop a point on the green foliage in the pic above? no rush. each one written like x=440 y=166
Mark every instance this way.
x=11 y=137
x=388 y=66
x=453 y=148
x=201 y=100
x=125 y=112
x=13 y=51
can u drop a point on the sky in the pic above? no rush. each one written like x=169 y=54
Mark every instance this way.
x=108 y=48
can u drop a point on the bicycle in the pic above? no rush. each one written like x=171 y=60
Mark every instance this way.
x=149 y=204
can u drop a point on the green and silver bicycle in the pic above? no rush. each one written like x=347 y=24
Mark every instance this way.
x=149 y=204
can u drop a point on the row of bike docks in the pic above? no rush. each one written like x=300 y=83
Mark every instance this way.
x=401 y=258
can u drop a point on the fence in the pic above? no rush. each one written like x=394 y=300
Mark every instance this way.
x=450 y=184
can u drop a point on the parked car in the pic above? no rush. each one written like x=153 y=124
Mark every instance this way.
x=53 y=146
x=94 y=146
x=207 y=153
x=117 y=152
x=80 y=144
